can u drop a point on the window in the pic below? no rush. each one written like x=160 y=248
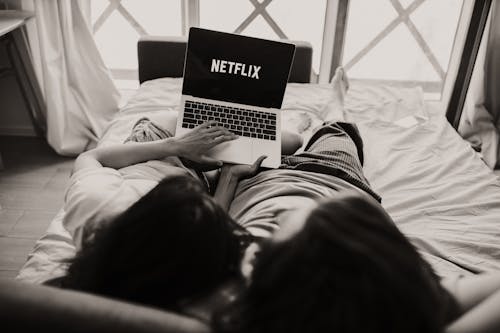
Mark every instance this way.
x=404 y=43
x=118 y=24
x=278 y=19
x=285 y=19
x=407 y=43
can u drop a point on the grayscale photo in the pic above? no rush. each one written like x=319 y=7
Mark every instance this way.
x=250 y=166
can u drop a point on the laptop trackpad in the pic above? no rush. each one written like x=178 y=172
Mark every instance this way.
x=238 y=151
x=271 y=149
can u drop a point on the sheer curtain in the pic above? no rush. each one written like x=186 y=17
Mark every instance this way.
x=80 y=95
x=480 y=123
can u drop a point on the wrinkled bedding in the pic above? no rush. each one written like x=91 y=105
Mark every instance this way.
x=434 y=185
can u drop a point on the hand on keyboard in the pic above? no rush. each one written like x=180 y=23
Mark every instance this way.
x=242 y=122
x=194 y=144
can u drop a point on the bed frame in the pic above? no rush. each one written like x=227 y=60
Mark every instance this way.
x=164 y=57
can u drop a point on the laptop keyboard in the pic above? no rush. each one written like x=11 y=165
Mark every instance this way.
x=242 y=122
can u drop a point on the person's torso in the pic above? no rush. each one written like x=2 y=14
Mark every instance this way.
x=260 y=199
x=97 y=195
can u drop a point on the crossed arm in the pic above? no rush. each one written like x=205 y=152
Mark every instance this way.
x=192 y=146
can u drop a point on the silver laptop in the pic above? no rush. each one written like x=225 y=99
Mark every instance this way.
x=239 y=82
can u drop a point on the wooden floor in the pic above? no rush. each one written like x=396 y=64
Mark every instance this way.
x=32 y=185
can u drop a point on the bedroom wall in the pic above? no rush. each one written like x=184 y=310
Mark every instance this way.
x=14 y=117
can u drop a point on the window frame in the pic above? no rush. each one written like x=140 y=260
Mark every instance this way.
x=455 y=86
x=477 y=25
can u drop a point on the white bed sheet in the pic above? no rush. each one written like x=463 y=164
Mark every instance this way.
x=436 y=188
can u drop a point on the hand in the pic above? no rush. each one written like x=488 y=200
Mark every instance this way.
x=194 y=144
x=242 y=171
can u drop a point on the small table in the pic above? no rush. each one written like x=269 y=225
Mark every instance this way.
x=13 y=36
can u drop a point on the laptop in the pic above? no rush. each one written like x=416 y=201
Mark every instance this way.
x=239 y=82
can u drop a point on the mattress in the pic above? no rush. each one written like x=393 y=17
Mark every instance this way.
x=434 y=185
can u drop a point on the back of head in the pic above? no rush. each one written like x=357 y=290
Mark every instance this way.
x=172 y=245
x=348 y=270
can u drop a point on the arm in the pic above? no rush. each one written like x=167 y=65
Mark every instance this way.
x=479 y=300
x=224 y=193
x=122 y=155
x=192 y=145
x=229 y=178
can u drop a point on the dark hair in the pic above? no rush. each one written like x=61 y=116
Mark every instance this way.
x=349 y=270
x=173 y=244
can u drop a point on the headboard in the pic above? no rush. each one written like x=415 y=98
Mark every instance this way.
x=164 y=57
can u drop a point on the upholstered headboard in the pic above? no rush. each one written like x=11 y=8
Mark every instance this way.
x=164 y=57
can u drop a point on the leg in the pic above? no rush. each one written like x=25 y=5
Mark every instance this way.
x=290 y=142
x=145 y=130
x=334 y=110
x=335 y=148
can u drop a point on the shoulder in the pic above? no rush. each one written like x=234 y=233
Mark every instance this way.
x=91 y=181
x=89 y=197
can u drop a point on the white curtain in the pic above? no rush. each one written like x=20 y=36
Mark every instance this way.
x=480 y=119
x=80 y=95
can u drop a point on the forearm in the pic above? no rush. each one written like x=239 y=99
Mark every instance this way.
x=122 y=155
x=229 y=179
x=483 y=318
x=192 y=145
x=479 y=300
x=226 y=187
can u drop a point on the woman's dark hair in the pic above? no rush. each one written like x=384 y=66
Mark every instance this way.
x=348 y=270
x=173 y=244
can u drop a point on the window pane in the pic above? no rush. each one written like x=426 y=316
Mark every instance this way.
x=302 y=20
x=438 y=32
x=117 y=49
x=297 y=19
x=117 y=37
x=158 y=17
x=408 y=43
x=224 y=15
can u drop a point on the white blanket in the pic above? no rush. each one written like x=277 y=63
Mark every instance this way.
x=436 y=188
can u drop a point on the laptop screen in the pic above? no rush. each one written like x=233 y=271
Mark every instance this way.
x=237 y=69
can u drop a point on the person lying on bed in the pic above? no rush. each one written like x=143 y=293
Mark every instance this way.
x=145 y=227
x=150 y=239
x=331 y=258
x=342 y=265
x=171 y=247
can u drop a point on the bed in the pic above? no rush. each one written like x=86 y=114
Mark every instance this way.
x=434 y=185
